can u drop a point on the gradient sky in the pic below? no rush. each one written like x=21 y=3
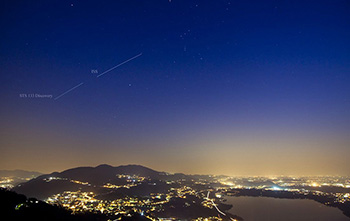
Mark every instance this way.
x=222 y=87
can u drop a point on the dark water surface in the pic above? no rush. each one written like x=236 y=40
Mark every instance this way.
x=272 y=209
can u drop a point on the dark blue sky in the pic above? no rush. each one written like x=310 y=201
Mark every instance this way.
x=233 y=79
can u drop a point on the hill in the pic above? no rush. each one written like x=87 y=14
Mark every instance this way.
x=15 y=206
x=88 y=179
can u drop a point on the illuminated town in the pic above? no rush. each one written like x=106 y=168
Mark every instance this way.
x=143 y=192
x=207 y=192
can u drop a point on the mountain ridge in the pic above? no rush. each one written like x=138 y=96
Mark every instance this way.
x=46 y=185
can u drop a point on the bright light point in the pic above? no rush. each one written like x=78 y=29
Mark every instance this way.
x=276 y=188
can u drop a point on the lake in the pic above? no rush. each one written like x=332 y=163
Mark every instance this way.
x=272 y=209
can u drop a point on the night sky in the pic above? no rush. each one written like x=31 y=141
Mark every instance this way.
x=222 y=87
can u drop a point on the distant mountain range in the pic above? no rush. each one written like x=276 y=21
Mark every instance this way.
x=106 y=173
x=93 y=178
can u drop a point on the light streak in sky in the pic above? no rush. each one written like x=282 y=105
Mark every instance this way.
x=66 y=92
x=124 y=62
x=105 y=72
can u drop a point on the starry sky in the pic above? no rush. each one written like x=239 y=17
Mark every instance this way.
x=221 y=87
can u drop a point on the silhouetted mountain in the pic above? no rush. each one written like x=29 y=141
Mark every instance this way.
x=95 y=177
x=106 y=173
x=54 y=183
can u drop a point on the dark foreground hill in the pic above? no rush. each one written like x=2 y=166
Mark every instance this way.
x=15 y=207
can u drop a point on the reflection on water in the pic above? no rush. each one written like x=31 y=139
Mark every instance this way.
x=271 y=209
